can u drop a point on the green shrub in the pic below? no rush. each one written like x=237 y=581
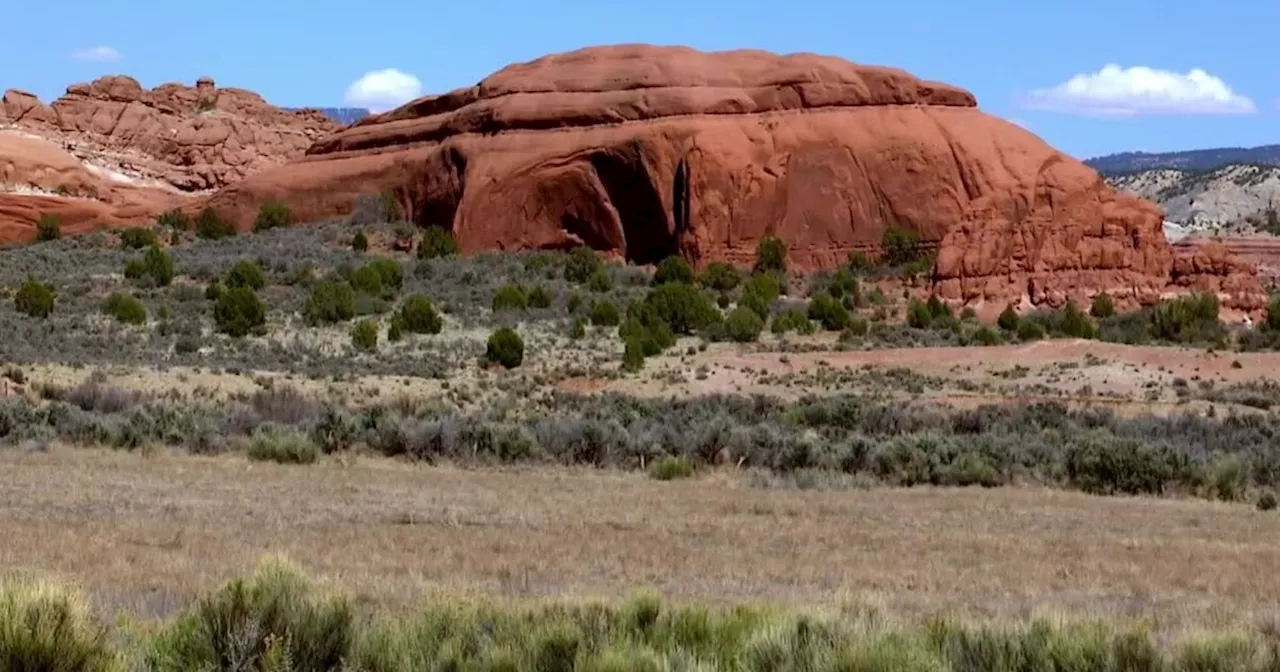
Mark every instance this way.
x=174 y=219
x=720 y=276
x=901 y=246
x=34 y=299
x=1188 y=319
x=245 y=625
x=273 y=215
x=505 y=347
x=581 y=264
x=767 y=287
x=1103 y=307
x=239 y=312
x=670 y=468
x=1030 y=331
x=138 y=238
x=125 y=309
x=918 y=314
x=330 y=301
x=283 y=446
x=539 y=297
x=986 y=336
x=360 y=242
x=1272 y=321
x=673 y=269
x=743 y=325
x=828 y=312
x=1075 y=324
x=857 y=328
x=771 y=256
x=44 y=627
x=633 y=354
x=938 y=311
x=858 y=263
x=48 y=228
x=210 y=226
x=510 y=297
x=436 y=242
x=390 y=274
x=156 y=265
x=364 y=336
x=600 y=281
x=574 y=303
x=646 y=329
x=604 y=314
x=683 y=307
x=213 y=290
x=792 y=320
x=417 y=315
x=246 y=274
x=840 y=284
x=366 y=280
x=1118 y=465
x=756 y=304
x=578 y=329
x=1008 y=320
x=1267 y=501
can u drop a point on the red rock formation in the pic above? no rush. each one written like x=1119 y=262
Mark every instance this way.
x=38 y=177
x=117 y=154
x=1261 y=251
x=650 y=151
x=192 y=138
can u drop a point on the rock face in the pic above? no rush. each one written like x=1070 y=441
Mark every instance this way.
x=39 y=178
x=193 y=138
x=110 y=153
x=1259 y=251
x=648 y=151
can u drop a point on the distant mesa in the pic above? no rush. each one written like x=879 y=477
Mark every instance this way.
x=1196 y=160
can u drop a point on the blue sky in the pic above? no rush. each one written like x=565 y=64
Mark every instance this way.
x=1187 y=73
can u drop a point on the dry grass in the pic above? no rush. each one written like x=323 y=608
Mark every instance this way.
x=144 y=534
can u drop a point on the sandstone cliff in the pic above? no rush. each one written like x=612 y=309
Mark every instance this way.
x=650 y=151
x=111 y=153
x=194 y=138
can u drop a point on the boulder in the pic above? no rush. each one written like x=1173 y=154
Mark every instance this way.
x=650 y=151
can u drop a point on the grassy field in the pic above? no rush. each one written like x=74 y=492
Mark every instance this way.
x=462 y=565
x=453 y=512
x=146 y=535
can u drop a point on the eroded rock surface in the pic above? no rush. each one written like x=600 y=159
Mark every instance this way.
x=110 y=153
x=651 y=151
x=38 y=177
x=193 y=138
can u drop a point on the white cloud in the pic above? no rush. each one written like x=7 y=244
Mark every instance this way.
x=1117 y=91
x=383 y=89
x=97 y=54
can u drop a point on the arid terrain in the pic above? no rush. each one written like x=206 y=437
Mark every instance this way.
x=511 y=378
x=147 y=534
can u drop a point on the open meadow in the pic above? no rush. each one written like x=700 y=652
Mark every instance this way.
x=549 y=461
